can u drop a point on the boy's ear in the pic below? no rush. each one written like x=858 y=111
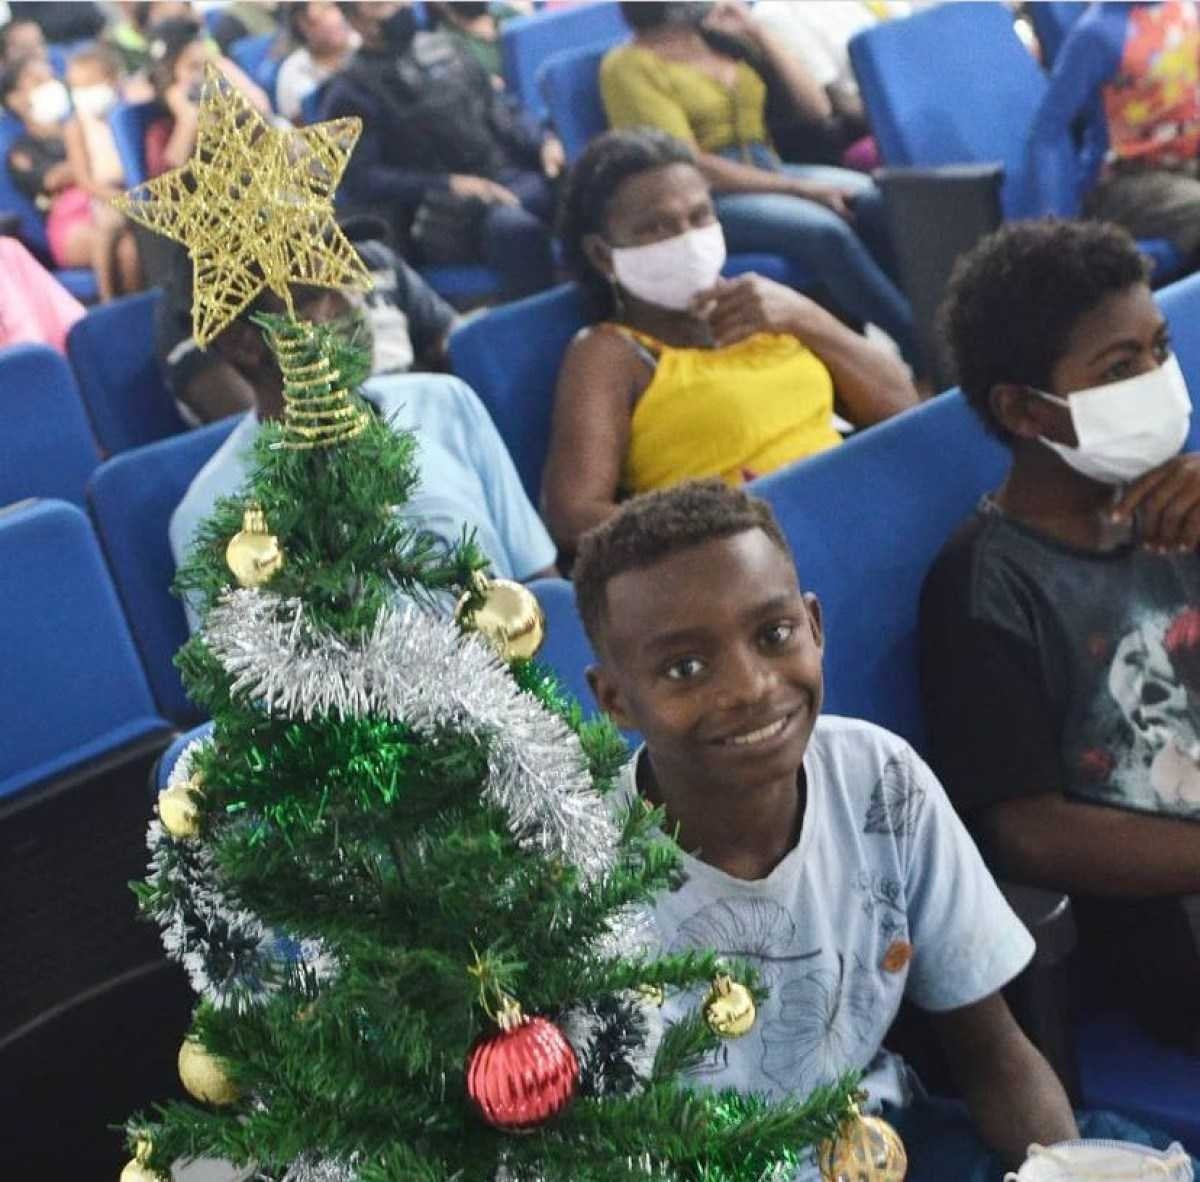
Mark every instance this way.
x=609 y=697
x=813 y=607
x=1023 y=414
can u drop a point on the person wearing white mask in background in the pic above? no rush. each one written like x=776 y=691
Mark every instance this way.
x=93 y=82
x=37 y=160
x=1060 y=626
x=686 y=374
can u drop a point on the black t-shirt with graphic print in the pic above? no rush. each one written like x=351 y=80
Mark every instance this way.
x=1046 y=667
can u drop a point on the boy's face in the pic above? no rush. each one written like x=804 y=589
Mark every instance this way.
x=714 y=654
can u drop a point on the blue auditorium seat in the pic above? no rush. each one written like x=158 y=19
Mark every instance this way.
x=111 y=350
x=528 y=41
x=79 y=281
x=73 y=689
x=928 y=106
x=46 y=445
x=131 y=498
x=129 y=122
x=1052 y=21
x=569 y=83
x=255 y=56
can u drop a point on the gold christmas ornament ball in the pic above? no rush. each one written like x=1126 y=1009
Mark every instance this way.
x=510 y=617
x=866 y=1150
x=254 y=555
x=136 y=1170
x=203 y=1075
x=729 y=1009
x=178 y=811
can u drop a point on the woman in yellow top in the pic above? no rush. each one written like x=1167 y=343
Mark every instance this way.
x=680 y=74
x=686 y=374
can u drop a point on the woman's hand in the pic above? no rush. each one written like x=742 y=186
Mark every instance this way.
x=734 y=19
x=554 y=156
x=838 y=200
x=178 y=103
x=738 y=308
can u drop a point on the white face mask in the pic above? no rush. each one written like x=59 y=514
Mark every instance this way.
x=96 y=100
x=1126 y=428
x=49 y=102
x=669 y=273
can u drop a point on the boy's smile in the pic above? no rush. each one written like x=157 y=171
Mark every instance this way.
x=714 y=654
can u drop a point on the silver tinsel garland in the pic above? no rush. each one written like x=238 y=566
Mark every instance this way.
x=231 y=958
x=311 y=1168
x=423 y=671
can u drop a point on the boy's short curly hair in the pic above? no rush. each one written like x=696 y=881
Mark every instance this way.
x=1014 y=299
x=653 y=526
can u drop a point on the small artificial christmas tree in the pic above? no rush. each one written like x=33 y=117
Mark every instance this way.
x=416 y=924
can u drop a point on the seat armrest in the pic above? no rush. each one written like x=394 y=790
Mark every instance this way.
x=934 y=215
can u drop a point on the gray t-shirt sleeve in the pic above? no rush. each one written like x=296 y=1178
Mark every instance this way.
x=967 y=941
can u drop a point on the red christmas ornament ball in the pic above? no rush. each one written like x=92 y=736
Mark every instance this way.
x=521 y=1077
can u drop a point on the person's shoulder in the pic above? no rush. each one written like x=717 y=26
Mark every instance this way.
x=602 y=353
x=839 y=734
x=623 y=58
x=418 y=392
x=962 y=550
x=220 y=476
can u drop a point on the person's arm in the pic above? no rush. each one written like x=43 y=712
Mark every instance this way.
x=803 y=92
x=80 y=165
x=1087 y=60
x=430 y=318
x=872 y=384
x=1014 y=1098
x=1070 y=845
x=589 y=434
x=251 y=91
x=180 y=137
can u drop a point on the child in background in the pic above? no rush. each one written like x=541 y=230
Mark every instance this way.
x=38 y=164
x=35 y=309
x=820 y=849
x=93 y=79
x=20 y=39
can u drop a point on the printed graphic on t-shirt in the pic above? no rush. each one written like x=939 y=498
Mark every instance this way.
x=1148 y=756
x=821 y=1004
x=1153 y=104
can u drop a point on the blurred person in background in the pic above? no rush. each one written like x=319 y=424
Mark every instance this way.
x=324 y=42
x=35 y=309
x=21 y=39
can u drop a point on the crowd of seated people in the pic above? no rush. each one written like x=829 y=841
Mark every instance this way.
x=1058 y=627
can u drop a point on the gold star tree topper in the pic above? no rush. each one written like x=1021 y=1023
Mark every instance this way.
x=253 y=206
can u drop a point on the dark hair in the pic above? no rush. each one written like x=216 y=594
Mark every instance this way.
x=1013 y=301
x=655 y=525
x=607 y=162
x=642 y=16
x=10 y=75
x=100 y=53
x=168 y=39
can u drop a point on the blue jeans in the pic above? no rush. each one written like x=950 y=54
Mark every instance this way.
x=942 y=1143
x=851 y=260
x=516 y=238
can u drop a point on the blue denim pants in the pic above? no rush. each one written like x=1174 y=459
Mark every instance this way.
x=851 y=259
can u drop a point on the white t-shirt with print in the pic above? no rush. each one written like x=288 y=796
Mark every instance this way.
x=882 y=862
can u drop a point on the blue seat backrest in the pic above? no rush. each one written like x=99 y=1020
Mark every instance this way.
x=1180 y=304
x=129 y=122
x=112 y=352
x=569 y=83
x=32 y=229
x=255 y=56
x=510 y=357
x=865 y=521
x=528 y=41
x=131 y=498
x=71 y=684
x=566 y=650
x=46 y=445
x=950 y=85
x=1052 y=21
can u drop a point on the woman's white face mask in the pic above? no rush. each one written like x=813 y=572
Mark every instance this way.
x=96 y=100
x=1127 y=428
x=669 y=273
x=49 y=102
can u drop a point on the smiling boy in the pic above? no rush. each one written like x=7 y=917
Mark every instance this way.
x=820 y=849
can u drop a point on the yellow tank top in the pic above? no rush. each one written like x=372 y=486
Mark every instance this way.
x=736 y=412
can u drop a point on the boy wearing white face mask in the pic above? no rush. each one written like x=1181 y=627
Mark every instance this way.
x=1060 y=627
